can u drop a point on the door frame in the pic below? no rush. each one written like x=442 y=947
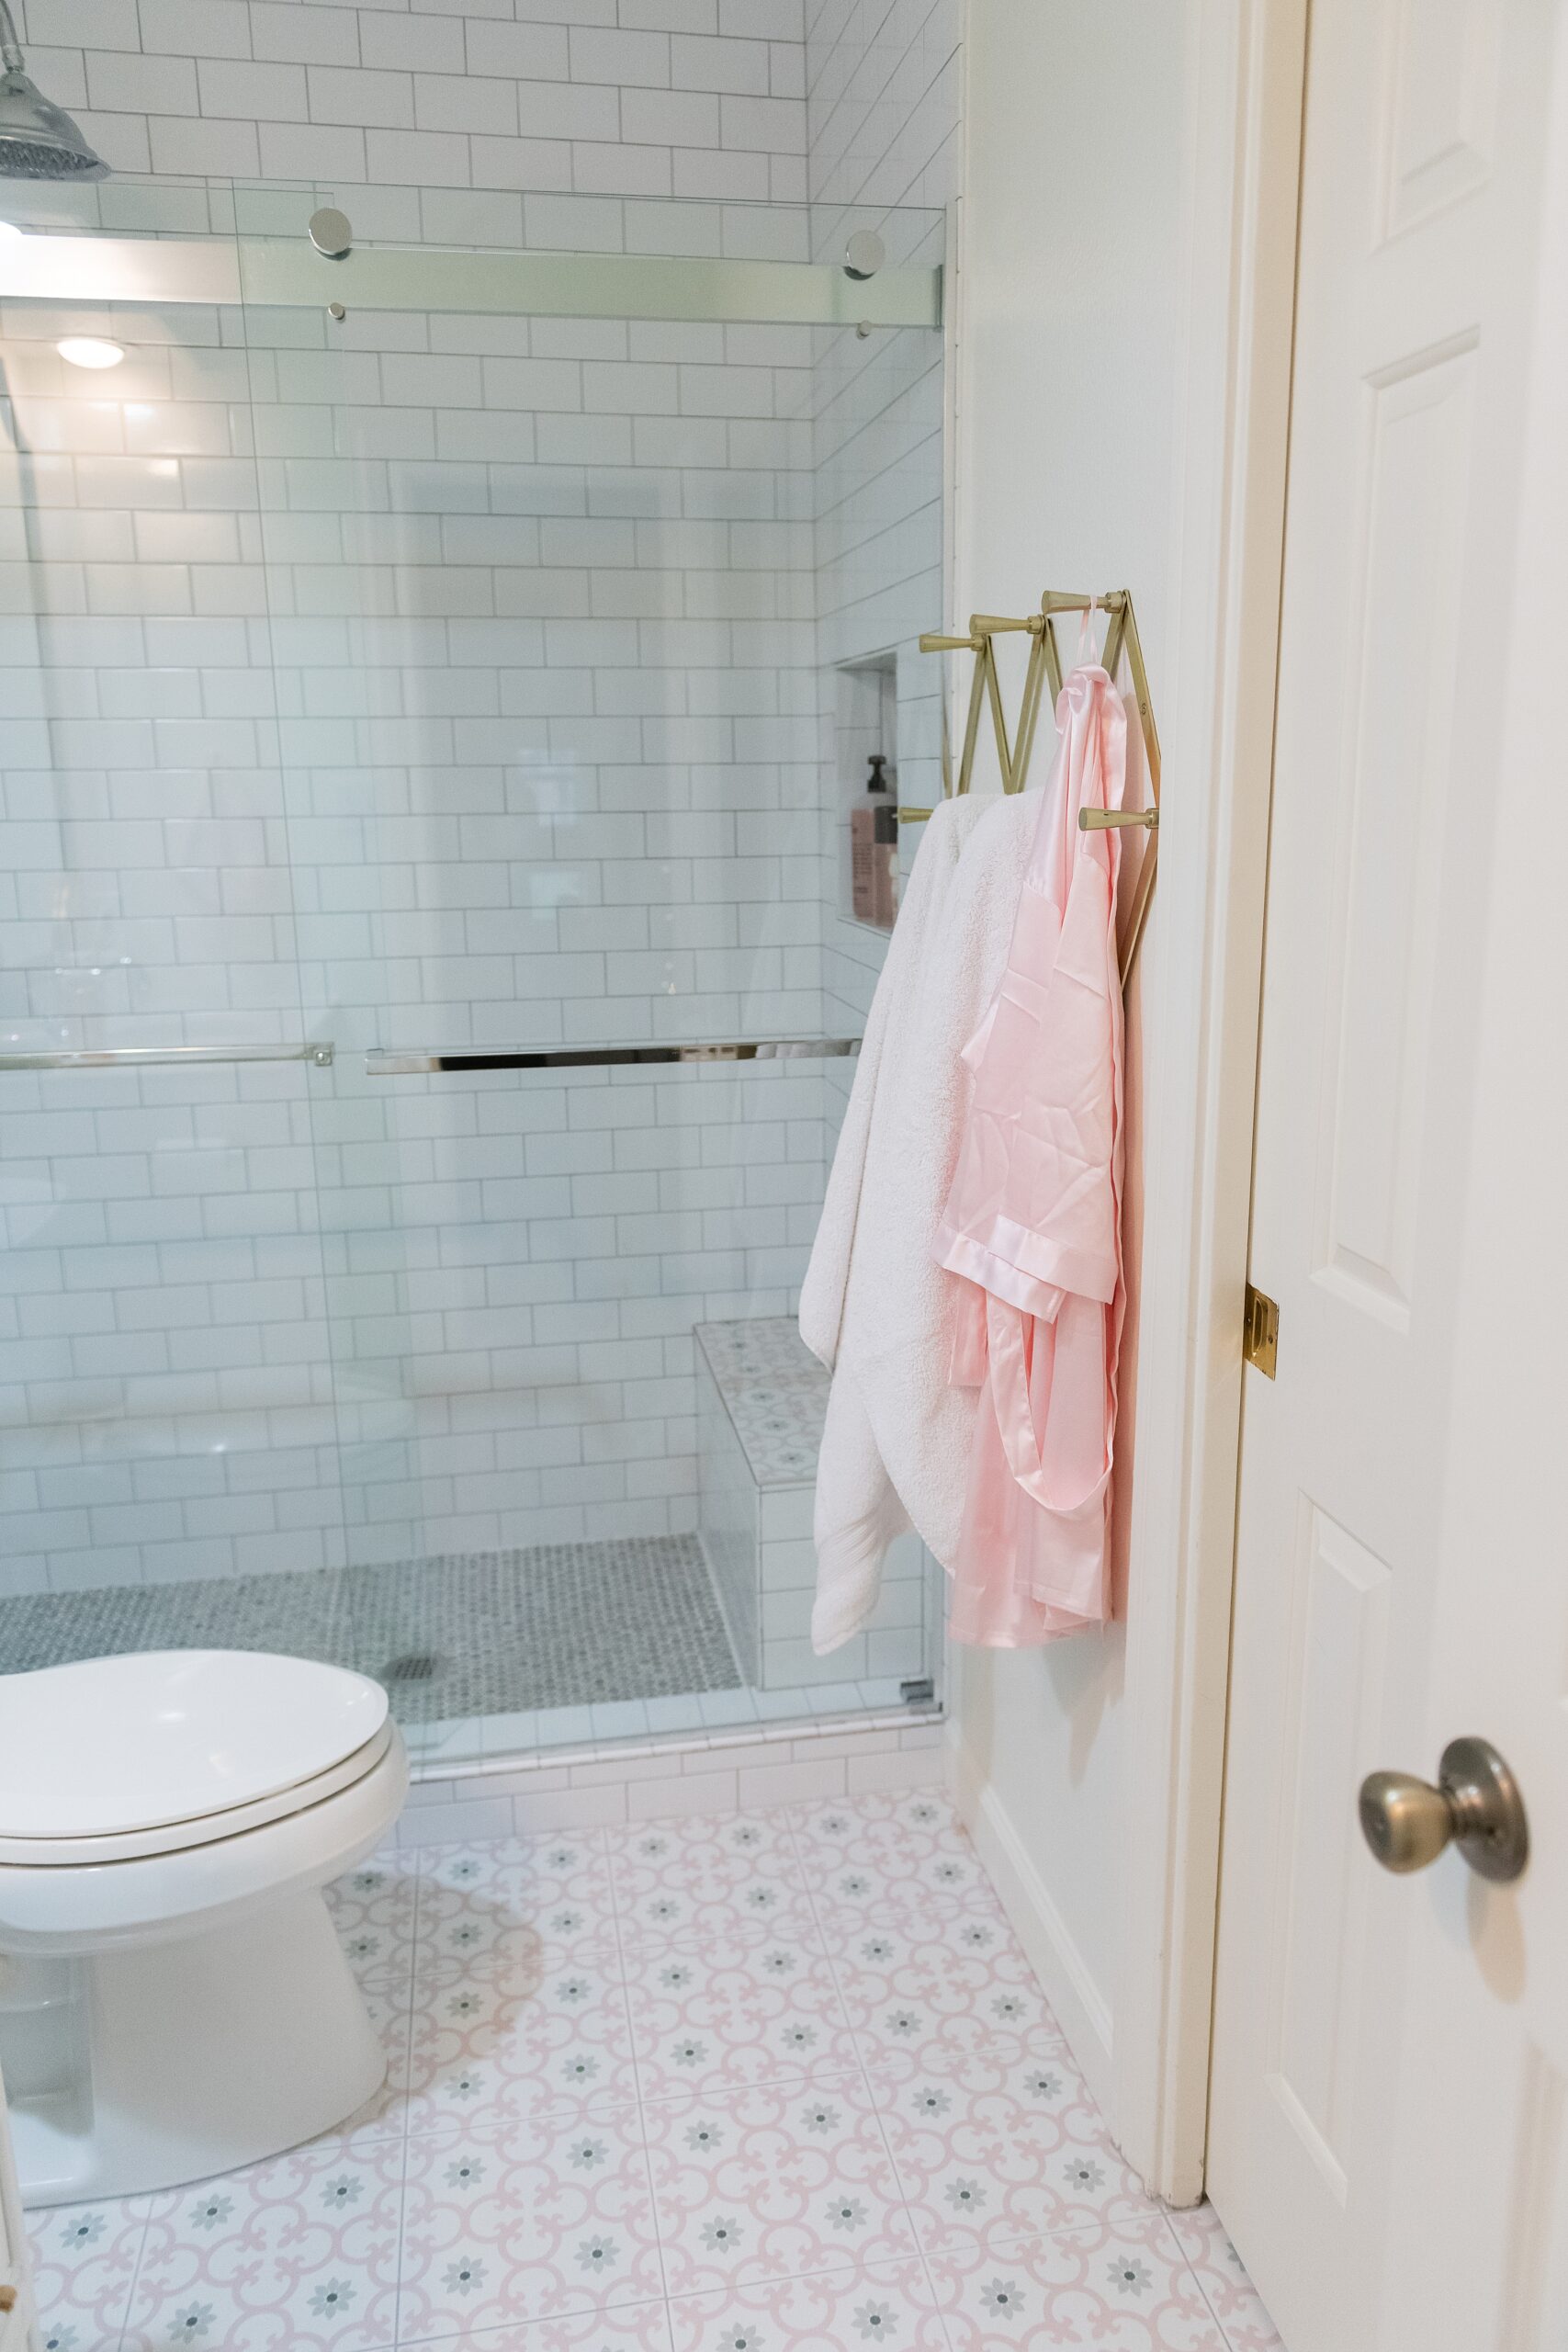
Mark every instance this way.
x=19 y=2325
x=1202 y=957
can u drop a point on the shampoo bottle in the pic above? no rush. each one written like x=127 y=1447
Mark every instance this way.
x=873 y=849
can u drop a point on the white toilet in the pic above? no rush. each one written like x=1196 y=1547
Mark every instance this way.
x=172 y=1998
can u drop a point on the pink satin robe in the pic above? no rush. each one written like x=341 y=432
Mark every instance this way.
x=1033 y=1218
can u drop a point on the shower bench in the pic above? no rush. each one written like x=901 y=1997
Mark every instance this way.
x=762 y=1397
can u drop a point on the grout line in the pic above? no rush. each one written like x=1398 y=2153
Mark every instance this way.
x=123 y=2332
x=1192 y=2270
x=419 y=1882
x=682 y=2093
x=623 y=1970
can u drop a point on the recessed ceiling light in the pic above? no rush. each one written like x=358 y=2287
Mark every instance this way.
x=89 y=351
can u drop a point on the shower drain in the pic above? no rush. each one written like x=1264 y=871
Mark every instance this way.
x=414 y=1666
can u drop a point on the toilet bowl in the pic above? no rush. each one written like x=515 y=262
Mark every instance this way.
x=173 y=2001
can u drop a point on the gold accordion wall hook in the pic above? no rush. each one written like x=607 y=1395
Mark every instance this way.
x=984 y=689
x=1122 y=639
x=1045 y=669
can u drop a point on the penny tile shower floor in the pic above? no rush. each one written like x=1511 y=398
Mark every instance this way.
x=780 y=2082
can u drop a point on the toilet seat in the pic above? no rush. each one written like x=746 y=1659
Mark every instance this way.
x=173 y=1836
x=115 y=1758
x=149 y=1898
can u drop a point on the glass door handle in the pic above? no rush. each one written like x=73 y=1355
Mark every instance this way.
x=1475 y=1806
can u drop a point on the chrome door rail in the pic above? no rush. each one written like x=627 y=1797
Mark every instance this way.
x=145 y=1057
x=391 y=1062
x=290 y=271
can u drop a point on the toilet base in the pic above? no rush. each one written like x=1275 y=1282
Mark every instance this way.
x=149 y=2067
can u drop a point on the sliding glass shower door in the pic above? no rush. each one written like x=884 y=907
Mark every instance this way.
x=537 y=598
x=169 y=1429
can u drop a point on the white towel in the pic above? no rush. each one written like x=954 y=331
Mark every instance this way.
x=876 y=1307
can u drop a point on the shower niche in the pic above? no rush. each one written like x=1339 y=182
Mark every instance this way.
x=866 y=764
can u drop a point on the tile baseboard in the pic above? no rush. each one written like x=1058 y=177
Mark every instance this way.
x=641 y=1780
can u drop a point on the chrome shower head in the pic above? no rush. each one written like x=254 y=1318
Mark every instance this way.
x=38 y=140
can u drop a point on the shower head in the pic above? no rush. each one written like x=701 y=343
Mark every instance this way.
x=38 y=140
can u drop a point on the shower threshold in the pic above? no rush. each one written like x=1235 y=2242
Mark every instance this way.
x=655 y=1728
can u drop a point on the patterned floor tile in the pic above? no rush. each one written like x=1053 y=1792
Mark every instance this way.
x=528 y=2222
x=473 y=1899
x=495 y=1913
x=641 y=2327
x=373 y=1911
x=835 y=2311
x=923 y=2000
x=889 y=1817
x=782 y=2082
x=994 y=2153
x=905 y=1863
x=84 y=2269
x=771 y=2183
x=384 y=2115
x=689 y=1882
x=1122 y=2289
x=300 y=2252
x=1230 y=2295
x=735 y=2015
x=545 y=2036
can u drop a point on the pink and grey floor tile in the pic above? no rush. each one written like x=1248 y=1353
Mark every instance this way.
x=778 y=2082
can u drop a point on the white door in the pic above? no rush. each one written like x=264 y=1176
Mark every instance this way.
x=1391 y=2066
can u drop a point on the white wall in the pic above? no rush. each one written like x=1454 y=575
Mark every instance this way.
x=1069 y=289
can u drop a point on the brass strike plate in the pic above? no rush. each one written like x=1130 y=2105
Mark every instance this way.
x=1260 y=1331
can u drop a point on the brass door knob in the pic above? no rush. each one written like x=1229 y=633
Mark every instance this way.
x=1476 y=1803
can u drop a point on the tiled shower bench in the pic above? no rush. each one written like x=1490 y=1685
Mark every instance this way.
x=762 y=1397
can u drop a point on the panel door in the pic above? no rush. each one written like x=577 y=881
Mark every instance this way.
x=1392 y=2053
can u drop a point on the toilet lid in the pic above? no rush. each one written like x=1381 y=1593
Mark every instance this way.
x=115 y=1744
x=213 y=1828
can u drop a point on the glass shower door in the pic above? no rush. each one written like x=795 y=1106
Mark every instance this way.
x=437 y=686
x=166 y=1417
x=562 y=794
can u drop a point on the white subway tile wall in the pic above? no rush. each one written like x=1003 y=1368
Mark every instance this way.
x=882 y=112
x=421 y=748
x=651 y=97
x=432 y=680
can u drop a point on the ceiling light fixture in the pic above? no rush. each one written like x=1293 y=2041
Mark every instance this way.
x=89 y=351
